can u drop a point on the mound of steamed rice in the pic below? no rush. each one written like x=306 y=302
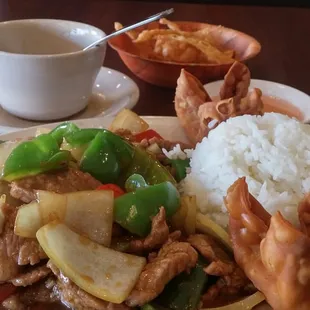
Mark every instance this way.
x=271 y=151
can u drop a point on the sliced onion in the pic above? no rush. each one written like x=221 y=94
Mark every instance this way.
x=154 y=148
x=128 y=120
x=90 y=213
x=185 y=218
x=205 y=225
x=76 y=152
x=98 y=270
x=190 y=220
x=245 y=304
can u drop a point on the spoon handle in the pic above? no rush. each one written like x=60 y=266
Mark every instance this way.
x=125 y=29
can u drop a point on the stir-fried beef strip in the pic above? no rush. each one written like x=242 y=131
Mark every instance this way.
x=157 y=237
x=74 y=297
x=172 y=259
x=16 y=251
x=232 y=286
x=30 y=252
x=220 y=262
x=213 y=291
x=232 y=278
x=64 y=181
x=174 y=236
x=13 y=303
x=32 y=276
x=39 y=293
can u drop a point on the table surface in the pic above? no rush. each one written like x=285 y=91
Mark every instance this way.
x=283 y=32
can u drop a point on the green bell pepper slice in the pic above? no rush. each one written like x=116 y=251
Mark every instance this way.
x=134 y=211
x=146 y=165
x=185 y=290
x=63 y=130
x=73 y=134
x=33 y=157
x=100 y=160
x=180 y=166
x=105 y=156
x=82 y=136
x=135 y=182
x=124 y=151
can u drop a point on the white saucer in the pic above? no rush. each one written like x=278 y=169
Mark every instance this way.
x=292 y=95
x=112 y=92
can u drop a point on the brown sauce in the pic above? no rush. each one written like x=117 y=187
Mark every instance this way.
x=278 y=105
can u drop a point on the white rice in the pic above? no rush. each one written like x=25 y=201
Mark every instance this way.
x=177 y=153
x=272 y=151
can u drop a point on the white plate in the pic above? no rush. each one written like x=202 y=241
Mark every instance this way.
x=112 y=92
x=292 y=95
x=167 y=126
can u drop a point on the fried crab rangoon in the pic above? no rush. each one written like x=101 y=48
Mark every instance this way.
x=273 y=253
x=176 y=45
x=198 y=114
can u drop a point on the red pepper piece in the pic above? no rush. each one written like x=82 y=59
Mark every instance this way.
x=112 y=187
x=6 y=290
x=148 y=134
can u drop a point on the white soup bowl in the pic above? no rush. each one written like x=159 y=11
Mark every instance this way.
x=44 y=72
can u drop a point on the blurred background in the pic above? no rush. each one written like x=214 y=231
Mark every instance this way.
x=296 y=3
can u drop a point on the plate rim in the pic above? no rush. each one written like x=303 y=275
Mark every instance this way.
x=135 y=94
x=105 y=119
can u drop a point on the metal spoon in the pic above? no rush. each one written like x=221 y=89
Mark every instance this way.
x=144 y=22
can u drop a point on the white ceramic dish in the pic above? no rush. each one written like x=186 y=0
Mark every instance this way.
x=292 y=95
x=45 y=74
x=112 y=92
x=168 y=127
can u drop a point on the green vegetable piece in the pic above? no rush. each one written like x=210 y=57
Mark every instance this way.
x=180 y=166
x=62 y=130
x=82 y=136
x=100 y=160
x=134 y=211
x=124 y=151
x=134 y=182
x=185 y=290
x=106 y=155
x=146 y=165
x=59 y=160
x=33 y=157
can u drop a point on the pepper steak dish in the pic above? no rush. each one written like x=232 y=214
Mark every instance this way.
x=92 y=219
